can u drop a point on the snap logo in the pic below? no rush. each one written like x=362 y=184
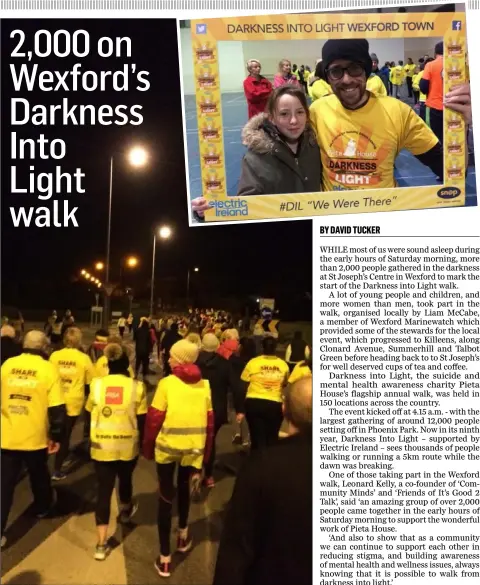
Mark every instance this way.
x=114 y=395
x=448 y=193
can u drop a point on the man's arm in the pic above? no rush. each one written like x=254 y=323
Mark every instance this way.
x=433 y=159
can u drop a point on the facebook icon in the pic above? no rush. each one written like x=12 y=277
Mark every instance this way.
x=456 y=25
x=201 y=29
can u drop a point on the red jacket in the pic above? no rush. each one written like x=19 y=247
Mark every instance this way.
x=257 y=92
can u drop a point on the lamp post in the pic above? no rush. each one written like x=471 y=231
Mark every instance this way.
x=164 y=233
x=196 y=269
x=137 y=158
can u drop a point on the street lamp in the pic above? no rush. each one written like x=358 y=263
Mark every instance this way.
x=196 y=269
x=83 y=272
x=132 y=262
x=137 y=158
x=165 y=232
x=99 y=266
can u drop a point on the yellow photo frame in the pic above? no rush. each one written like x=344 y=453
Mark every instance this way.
x=206 y=34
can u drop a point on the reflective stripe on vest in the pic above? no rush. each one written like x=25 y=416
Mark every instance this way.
x=184 y=430
x=172 y=451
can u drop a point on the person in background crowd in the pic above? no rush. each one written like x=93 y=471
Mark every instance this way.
x=375 y=82
x=387 y=121
x=246 y=351
x=431 y=85
x=267 y=535
x=282 y=155
x=179 y=430
x=258 y=337
x=143 y=348
x=216 y=370
x=170 y=338
x=30 y=434
x=301 y=370
x=385 y=75
x=118 y=408
x=195 y=339
x=417 y=75
x=296 y=71
x=130 y=322
x=397 y=77
x=257 y=88
x=266 y=377
x=297 y=350
x=391 y=65
x=122 y=322
x=9 y=345
x=319 y=88
x=95 y=351
x=409 y=73
x=229 y=343
x=284 y=76
x=303 y=75
x=76 y=372
x=68 y=321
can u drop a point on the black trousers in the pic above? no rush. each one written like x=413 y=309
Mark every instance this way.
x=423 y=109
x=107 y=472
x=166 y=473
x=62 y=453
x=211 y=461
x=143 y=362
x=436 y=123
x=121 y=330
x=416 y=96
x=410 y=86
x=37 y=468
x=264 y=418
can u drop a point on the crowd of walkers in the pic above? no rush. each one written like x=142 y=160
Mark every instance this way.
x=213 y=372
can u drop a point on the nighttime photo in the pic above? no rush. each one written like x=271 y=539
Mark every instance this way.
x=175 y=359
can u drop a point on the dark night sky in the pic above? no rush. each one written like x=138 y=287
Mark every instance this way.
x=258 y=259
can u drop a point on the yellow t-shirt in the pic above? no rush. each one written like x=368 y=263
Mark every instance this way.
x=183 y=434
x=301 y=370
x=397 y=75
x=30 y=386
x=409 y=69
x=359 y=147
x=76 y=370
x=101 y=368
x=376 y=86
x=320 y=89
x=416 y=85
x=267 y=375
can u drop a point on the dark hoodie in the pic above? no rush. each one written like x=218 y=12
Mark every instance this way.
x=216 y=370
x=271 y=168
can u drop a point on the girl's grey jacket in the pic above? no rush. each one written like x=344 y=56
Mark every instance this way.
x=270 y=167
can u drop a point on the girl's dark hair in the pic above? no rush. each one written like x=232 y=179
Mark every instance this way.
x=320 y=70
x=287 y=90
x=248 y=349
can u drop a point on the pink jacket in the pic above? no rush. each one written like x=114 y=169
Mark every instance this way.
x=280 y=80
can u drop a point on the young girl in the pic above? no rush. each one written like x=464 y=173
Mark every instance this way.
x=283 y=155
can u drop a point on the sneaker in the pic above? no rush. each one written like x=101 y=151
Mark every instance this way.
x=42 y=515
x=163 y=568
x=59 y=476
x=210 y=482
x=184 y=544
x=126 y=515
x=101 y=552
x=4 y=541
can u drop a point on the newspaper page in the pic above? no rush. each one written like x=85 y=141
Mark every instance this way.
x=398 y=382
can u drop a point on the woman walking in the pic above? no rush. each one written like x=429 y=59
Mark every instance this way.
x=179 y=432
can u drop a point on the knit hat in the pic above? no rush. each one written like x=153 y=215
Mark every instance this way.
x=184 y=352
x=210 y=342
x=374 y=57
x=351 y=49
x=118 y=362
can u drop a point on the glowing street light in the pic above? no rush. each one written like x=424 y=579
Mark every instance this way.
x=138 y=156
x=132 y=261
x=86 y=275
x=83 y=272
x=99 y=266
x=164 y=232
